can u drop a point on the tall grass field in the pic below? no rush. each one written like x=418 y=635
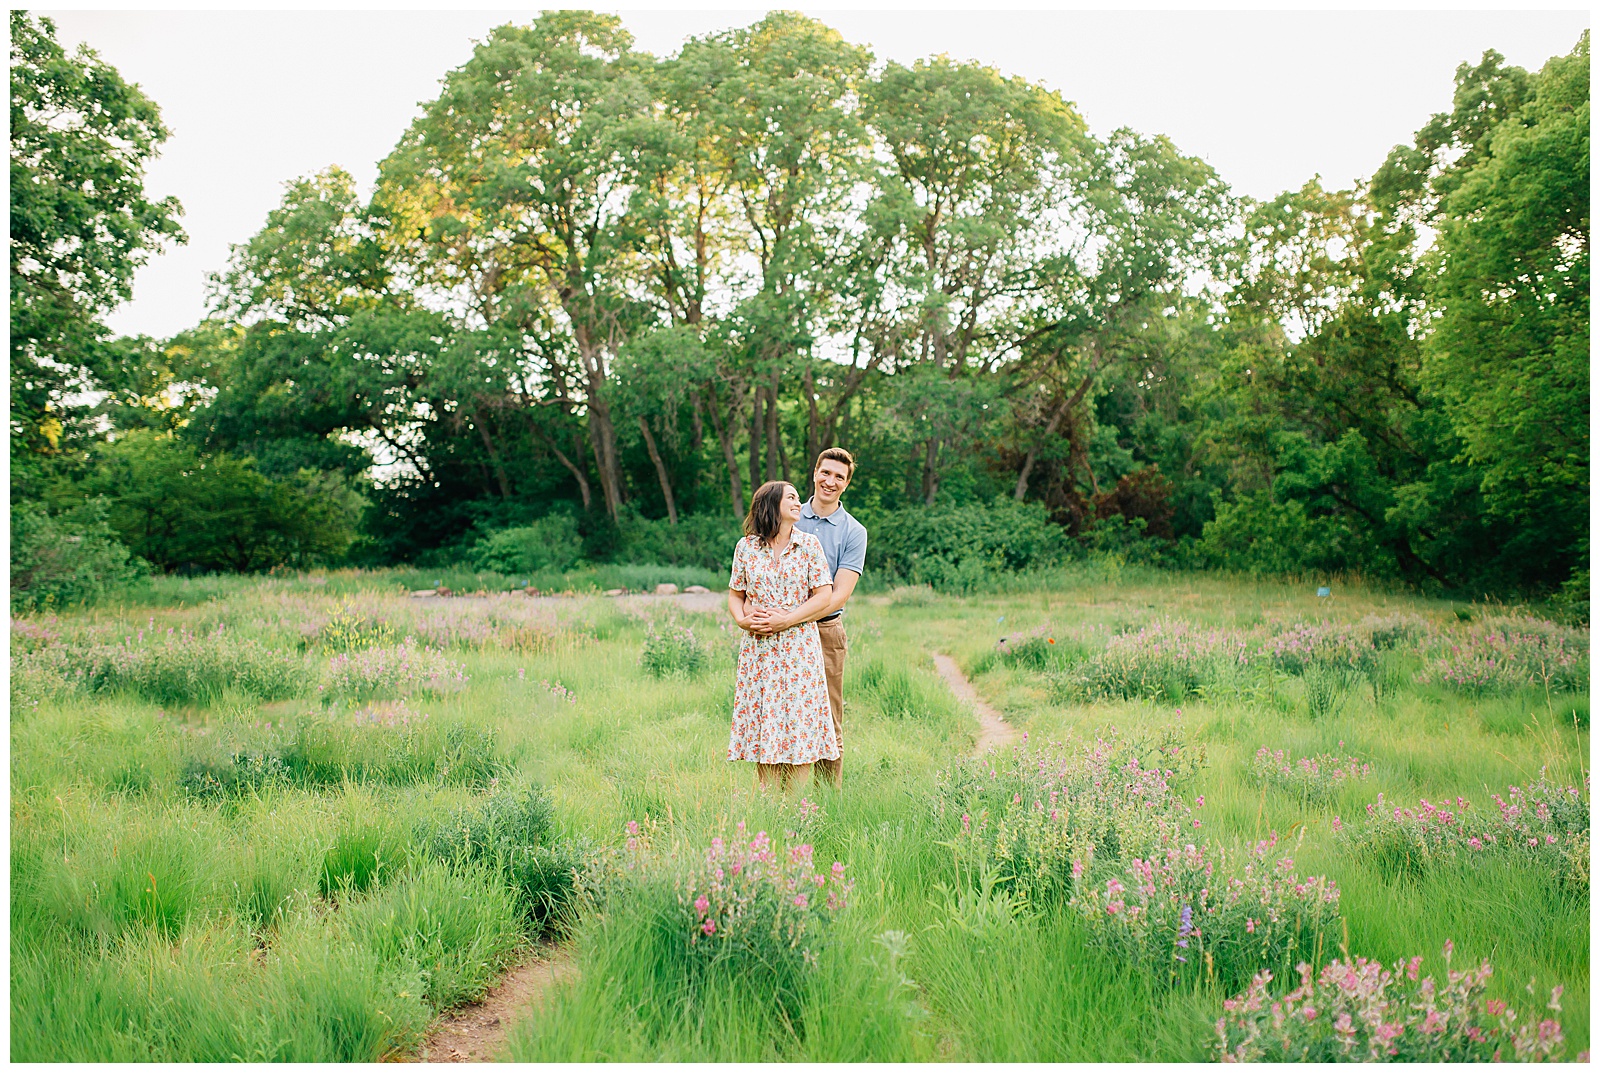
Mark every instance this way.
x=299 y=818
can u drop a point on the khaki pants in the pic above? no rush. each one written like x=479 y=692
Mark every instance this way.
x=834 y=648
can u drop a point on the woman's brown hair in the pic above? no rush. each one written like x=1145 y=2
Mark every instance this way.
x=764 y=518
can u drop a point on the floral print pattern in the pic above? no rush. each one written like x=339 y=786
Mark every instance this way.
x=780 y=695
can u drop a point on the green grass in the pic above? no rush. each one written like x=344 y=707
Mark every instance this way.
x=364 y=867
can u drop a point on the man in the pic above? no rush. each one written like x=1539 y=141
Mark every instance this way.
x=844 y=542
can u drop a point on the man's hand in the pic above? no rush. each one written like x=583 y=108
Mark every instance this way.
x=766 y=621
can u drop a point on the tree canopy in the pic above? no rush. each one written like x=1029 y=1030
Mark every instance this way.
x=598 y=284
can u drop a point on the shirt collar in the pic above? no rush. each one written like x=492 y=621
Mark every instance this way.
x=807 y=512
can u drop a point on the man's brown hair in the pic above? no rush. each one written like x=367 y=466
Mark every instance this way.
x=764 y=520
x=836 y=454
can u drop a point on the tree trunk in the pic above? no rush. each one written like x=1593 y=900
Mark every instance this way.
x=813 y=439
x=661 y=471
x=930 y=471
x=1033 y=452
x=602 y=433
x=724 y=433
x=577 y=473
x=494 y=457
x=755 y=439
x=772 y=429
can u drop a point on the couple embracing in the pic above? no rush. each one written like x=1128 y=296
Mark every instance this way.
x=793 y=572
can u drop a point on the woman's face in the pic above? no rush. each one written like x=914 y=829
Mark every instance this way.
x=790 y=508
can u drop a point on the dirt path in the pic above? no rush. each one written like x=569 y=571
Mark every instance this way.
x=993 y=730
x=477 y=1033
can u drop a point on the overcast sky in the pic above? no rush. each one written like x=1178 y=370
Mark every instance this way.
x=1269 y=99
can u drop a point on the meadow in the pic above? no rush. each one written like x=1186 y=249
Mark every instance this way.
x=297 y=818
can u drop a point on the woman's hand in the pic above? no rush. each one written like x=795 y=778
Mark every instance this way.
x=766 y=621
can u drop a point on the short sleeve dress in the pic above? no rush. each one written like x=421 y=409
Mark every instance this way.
x=780 y=696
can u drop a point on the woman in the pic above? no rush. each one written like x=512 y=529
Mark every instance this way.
x=781 y=718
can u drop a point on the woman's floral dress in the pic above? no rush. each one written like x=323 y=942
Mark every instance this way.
x=780 y=697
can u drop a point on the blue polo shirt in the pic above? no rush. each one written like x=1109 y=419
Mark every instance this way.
x=843 y=539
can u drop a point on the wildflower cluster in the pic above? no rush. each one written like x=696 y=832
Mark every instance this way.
x=174 y=667
x=1031 y=817
x=29 y=634
x=1312 y=779
x=1360 y=1011
x=1044 y=648
x=1402 y=839
x=1189 y=913
x=391 y=670
x=1500 y=657
x=1166 y=658
x=1542 y=822
x=671 y=648
x=1395 y=630
x=744 y=906
x=512 y=623
x=1324 y=645
x=390 y=716
x=559 y=691
x=349 y=629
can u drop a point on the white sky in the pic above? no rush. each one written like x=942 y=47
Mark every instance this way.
x=1269 y=98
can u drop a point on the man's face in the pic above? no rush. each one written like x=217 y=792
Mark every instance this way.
x=830 y=480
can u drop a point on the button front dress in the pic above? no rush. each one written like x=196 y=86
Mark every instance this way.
x=780 y=694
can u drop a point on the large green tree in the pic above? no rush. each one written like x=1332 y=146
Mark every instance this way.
x=81 y=223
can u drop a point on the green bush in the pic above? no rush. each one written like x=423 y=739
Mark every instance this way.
x=513 y=832
x=1260 y=535
x=957 y=548
x=181 y=509
x=671 y=649
x=702 y=540
x=62 y=560
x=549 y=544
x=179 y=667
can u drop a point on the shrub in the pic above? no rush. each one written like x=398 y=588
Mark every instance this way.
x=1395 y=631
x=671 y=649
x=740 y=911
x=1501 y=657
x=1312 y=779
x=1261 y=535
x=182 y=509
x=1359 y=1011
x=1168 y=658
x=1045 y=649
x=1543 y=823
x=513 y=833
x=63 y=560
x=1190 y=913
x=1322 y=645
x=1030 y=819
x=395 y=670
x=349 y=629
x=954 y=548
x=698 y=540
x=178 y=668
x=551 y=543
